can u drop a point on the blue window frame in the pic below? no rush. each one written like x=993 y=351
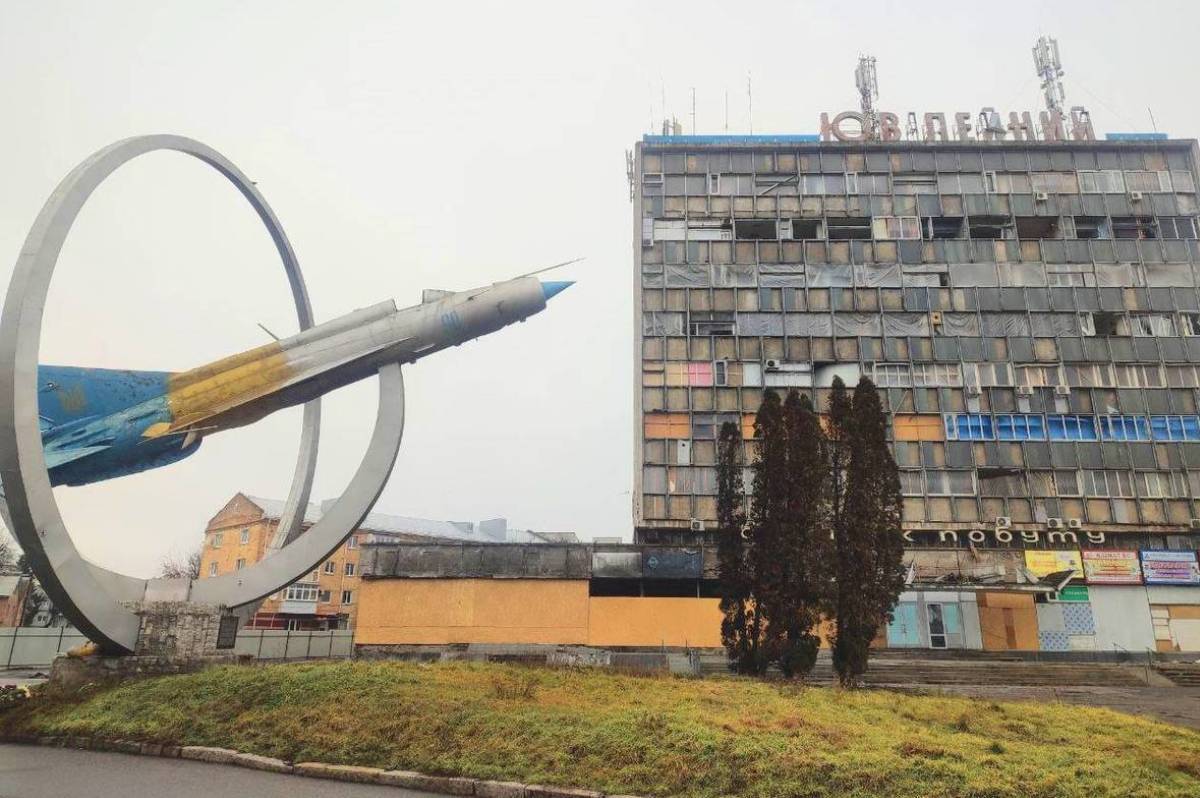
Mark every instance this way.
x=969 y=427
x=1020 y=427
x=1175 y=428
x=1124 y=428
x=1072 y=428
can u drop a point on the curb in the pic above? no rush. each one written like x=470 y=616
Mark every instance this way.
x=406 y=779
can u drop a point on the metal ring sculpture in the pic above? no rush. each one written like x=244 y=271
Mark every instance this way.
x=94 y=598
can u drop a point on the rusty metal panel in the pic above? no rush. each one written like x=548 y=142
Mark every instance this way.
x=671 y=563
x=622 y=564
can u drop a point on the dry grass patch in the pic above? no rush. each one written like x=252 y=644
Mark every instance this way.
x=644 y=735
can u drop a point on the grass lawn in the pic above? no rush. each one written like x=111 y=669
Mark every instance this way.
x=657 y=736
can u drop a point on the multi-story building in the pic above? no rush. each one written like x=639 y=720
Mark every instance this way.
x=327 y=598
x=1028 y=309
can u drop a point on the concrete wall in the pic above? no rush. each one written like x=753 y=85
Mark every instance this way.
x=1122 y=617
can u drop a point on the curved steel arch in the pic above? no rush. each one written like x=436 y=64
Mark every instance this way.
x=92 y=597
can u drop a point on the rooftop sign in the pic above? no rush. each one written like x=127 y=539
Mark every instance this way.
x=987 y=125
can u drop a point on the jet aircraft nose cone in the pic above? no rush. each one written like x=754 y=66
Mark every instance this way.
x=552 y=287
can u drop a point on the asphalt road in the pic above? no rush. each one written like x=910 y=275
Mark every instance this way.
x=30 y=771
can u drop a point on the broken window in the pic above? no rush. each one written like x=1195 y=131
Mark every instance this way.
x=1189 y=323
x=850 y=227
x=1148 y=181
x=1141 y=227
x=1055 y=182
x=1108 y=181
x=1035 y=227
x=1137 y=375
x=755 y=229
x=943 y=227
x=990 y=227
x=1009 y=183
x=916 y=183
x=1103 y=323
x=1175 y=227
x=704 y=324
x=896 y=227
x=954 y=183
x=1151 y=324
x=1092 y=227
x=808 y=229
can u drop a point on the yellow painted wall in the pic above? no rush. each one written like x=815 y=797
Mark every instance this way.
x=438 y=611
x=631 y=621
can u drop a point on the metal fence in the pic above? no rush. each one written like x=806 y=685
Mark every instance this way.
x=36 y=646
x=283 y=644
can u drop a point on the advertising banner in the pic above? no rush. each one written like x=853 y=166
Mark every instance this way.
x=1041 y=563
x=1111 y=567
x=1170 y=567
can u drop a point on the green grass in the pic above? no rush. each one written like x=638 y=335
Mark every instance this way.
x=644 y=735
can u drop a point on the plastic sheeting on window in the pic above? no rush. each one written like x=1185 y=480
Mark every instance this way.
x=1022 y=274
x=1052 y=324
x=825 y=275
x=781 y=281
x=964 y=275
x=878 y=276
x=960 y=324
x=761 y=324
x=1169 y=274
x=819 y=324
x=903 y=324
x=1114 y=275
x=653 y=280
x=688 y=276
x=1005 y=324
x=850 y=324
x=662 y=323
x=733 y=276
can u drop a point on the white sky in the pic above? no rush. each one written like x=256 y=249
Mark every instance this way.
x=449 y=145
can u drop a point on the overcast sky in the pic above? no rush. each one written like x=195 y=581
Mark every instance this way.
x=448 y=145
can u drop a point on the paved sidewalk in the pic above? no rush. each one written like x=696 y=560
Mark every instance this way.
x=1177 y=705
x=31 y=771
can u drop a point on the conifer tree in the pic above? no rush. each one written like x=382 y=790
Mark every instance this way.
x=803 y=543
x=766 y=520
x=731 y=550
x=867 y=533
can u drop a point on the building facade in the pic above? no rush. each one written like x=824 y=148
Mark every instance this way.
x=1028 y=309
x=327 y=598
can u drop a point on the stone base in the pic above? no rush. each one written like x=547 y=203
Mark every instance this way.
x=69 y=673
x=177 y=630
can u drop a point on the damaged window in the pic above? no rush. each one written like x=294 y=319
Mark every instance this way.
x=914 y=184
x=1092 y=227
x=896 y=227
x=1035 y=227
x=943 y=227
x=755 y=229
x=990 y=227
x=1140 y=227
x=850 y=227
x=808 y=229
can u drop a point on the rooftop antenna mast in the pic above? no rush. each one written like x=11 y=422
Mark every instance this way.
x=1049 y=68
x=868 y=95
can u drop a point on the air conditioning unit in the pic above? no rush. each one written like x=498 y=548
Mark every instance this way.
x=696 y=525
x=935 y=317
x=1003 y=522
x=771 y=365
x=1024 y=390
x=1054 y=523
x=1041 y=196
x=1074 y=523
x=1062 y=390
x=1135 y=196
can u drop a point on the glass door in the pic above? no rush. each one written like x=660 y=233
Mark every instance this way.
x=937 y=626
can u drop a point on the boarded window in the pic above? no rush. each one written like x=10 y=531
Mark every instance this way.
x=918 y=428
x=668 y=425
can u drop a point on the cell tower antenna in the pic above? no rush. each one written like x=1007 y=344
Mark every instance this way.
x=868 y=94
x=1049 y=69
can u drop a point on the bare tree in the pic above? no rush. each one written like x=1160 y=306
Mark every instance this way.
x=187 y=568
